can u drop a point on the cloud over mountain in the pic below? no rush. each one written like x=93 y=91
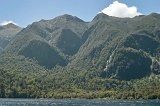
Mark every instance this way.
x=122 y=10
x=7 y=22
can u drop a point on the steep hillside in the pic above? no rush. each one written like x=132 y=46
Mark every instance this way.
x=50 y=42
x=43 y=53
x=105 y=44
x=108 y=35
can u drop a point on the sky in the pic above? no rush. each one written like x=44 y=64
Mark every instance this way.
x=25 y=12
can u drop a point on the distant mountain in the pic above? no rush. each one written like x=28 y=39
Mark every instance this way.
x=7 y=32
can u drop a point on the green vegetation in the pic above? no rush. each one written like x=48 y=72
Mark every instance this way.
x=35 y=49
x=25 y=82
x=131 y=64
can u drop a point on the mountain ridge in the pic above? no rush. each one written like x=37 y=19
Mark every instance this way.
x=90 y=44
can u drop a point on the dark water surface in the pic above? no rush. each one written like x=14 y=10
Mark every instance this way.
x=77 y=102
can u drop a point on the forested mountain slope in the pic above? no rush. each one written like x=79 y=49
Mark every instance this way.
x=121 y=46
x=66 y=57
x=50 y=42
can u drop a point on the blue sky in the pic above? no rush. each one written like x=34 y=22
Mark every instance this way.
x=24 y=12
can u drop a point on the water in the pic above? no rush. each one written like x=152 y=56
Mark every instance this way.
x=77 y=102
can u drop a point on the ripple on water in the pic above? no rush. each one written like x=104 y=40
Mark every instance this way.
x=77 y=102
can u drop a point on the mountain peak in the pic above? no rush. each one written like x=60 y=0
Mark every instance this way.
x=10 y=25
x=100 y=16
x=68 y=17
x=9 y=30
x=156 y=15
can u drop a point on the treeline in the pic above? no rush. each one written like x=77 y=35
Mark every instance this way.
x=73 y=84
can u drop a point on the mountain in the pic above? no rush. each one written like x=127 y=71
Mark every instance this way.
x=115 y=47
x=58 y=39
x=122 y=48
x=7 y=32
x=66 y=57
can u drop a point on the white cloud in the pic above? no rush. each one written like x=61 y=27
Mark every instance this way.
x=7 y=22
x=118 y=9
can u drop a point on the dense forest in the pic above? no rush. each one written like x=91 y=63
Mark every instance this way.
x=25 y=82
